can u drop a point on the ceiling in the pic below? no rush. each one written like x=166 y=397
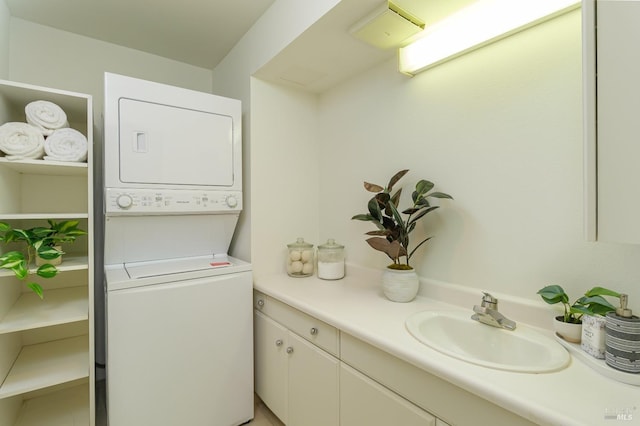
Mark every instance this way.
x=327 y=53
x=196 y=32
x=204 y=32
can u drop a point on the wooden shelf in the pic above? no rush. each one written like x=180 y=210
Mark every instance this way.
x=42 y=216
x=19 y=95
x=45 y=167
x=62 y=408
x=70 y=263
x=47 y=364
x=58 y=307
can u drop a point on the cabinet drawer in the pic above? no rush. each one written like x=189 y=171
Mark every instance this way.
x=318 y=332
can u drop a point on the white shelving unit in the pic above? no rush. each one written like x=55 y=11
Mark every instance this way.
x=46 y=346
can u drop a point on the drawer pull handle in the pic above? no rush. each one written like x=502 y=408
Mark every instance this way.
x=313 y=331
x=289 y=350
x=261 y=303
x=279 y=342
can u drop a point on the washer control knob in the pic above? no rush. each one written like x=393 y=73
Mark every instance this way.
x=124 y=201
x=231 y=201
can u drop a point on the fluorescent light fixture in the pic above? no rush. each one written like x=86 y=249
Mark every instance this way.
x=479 y=24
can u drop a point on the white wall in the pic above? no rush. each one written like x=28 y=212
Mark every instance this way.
x=285 y=170
x=5 y=18
x=280 y=25
x=500 y=129
x=49 y=57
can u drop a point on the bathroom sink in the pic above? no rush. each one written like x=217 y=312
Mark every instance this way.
x=456 y=334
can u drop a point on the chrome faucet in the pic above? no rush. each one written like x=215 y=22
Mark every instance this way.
x=487 y=313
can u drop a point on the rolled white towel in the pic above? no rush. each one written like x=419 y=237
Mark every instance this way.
x=21 y=140
x=46 y=116
x=66 y=145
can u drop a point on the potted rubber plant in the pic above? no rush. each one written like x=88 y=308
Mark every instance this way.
x=42 y=243
x=569 y=324
x=393 y=231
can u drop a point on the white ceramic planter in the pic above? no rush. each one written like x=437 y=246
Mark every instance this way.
x=571 y=332
x=400 y=285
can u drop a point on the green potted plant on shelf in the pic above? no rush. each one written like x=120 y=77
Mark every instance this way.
x=42 y=243
x=392 y=236
x=569 y=324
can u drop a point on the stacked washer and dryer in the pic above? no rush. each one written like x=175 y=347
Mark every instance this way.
x=178 y=308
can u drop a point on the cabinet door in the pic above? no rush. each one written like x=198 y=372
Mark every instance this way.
x=270 y=340
x=618 y=127
x=313 y=385
x=365 y=402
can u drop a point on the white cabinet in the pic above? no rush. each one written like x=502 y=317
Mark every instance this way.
x=612 y=66
x=295 y=376
x=271 y=364
x=46 y=346
x=365 y=402
x=428 y=392
x=309 y=373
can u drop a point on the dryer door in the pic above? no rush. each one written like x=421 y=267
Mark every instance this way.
x=163 y=144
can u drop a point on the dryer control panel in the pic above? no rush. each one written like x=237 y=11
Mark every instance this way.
x=146 y=201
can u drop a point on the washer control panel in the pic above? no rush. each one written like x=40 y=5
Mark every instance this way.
x=170 y=201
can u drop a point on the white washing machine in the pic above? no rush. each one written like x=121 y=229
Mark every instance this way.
x=178 y=309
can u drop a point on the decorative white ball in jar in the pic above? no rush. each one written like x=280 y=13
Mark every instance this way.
x=300 y=259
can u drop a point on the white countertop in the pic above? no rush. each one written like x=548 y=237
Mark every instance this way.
x=577 y=395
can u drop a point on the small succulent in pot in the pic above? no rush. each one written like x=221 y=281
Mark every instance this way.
x=41 y=242
x=592 y=303
x=392 y=234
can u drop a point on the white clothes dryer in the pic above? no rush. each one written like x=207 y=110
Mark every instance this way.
x=179 y=328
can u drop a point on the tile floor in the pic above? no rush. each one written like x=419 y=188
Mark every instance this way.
x=263 y=416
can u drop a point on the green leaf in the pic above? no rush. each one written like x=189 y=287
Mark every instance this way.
x=379 y=232
x=47 y=271
x=440 y=195
x=21 y=270
x=76 y=233
x=11 y=256
x=553 y=294
x=424 y=186
x=66 y=226
x=11 y=264
x=37 y=289
x=596 y=304
x=374 y=209
x=422 y=202
x=4 y=227
x=579 y=309
x=364 y=217
x=422 y=213
x=418 y=246
x=396 y=215
x=601 y=291
x=410 y=210
x=48 y=253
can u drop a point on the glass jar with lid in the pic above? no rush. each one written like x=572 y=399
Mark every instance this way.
x=330 y=260
x=300 y=259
